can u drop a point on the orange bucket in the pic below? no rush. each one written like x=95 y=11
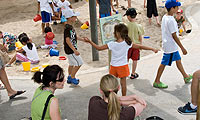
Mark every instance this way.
x=37 y=18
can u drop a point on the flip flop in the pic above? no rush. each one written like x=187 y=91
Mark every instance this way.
x=2 y=87
x=18 y=93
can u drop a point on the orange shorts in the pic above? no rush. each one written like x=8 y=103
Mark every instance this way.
x=119 y=71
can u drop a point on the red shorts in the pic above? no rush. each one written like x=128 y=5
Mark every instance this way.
x=134 y=54
x=119 y=71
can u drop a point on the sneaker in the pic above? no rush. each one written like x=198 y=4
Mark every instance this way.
x=160 y=85
x=75 y=81
x=187 y=110
x=188 y=79
x=69 y=79
x=134 y=76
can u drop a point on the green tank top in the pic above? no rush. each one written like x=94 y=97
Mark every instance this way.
x=38 y=103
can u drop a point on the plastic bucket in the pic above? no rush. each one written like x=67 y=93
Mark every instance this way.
x=18 y=45
x=37 y=18
x=35 y=69
x=84 y=26
x=26 y=66
x=45 y=65
x=53 y=52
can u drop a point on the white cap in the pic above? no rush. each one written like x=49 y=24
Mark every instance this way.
x=67 y=13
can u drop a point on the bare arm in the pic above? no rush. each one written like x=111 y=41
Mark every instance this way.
x=3 y=48
x=80 y=38
x=179 y=43
x=140 y=39
x=111 y=3
x=38 y=8
x=144 y=3
x=183 y=24
x=144 y=47
x=52 y=8
x=103 y=47
x=54 y=109
x=71 y=46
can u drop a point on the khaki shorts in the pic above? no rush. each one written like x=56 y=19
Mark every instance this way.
x=74 y=60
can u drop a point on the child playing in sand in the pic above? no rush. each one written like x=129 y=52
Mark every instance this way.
x=151 y=10
x=8 y=40
x=105 y=8
x=135 y=32
x=180 y=20
x=119 y=48
x=170 y=43
x=46 y=8
x=70 y=46
x=48 y=39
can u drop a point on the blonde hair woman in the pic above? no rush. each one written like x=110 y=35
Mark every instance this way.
x=112 y=107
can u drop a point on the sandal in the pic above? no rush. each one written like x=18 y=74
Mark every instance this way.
x=134 y=76
x=2 y=87
x=188 y=79
x=18 y=93
x=160 y=85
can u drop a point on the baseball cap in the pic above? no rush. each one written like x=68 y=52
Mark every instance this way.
x=172 y=3
x=67 y=13
x=180 y=11
x=50 y=35
x=131 y=12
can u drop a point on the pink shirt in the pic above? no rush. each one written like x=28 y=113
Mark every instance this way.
x=48 y=42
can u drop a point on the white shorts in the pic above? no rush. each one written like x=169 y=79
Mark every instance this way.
x=74 y=60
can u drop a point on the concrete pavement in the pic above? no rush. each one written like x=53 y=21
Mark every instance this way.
x=164 y=103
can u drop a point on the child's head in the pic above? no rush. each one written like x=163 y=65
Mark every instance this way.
x=52 y=75
x=109 y=87
x=62 y=0
x=21 y=36
x=172 y=5
x=1 y=34
x=70 y=15
x=47 y=29
x=179 y=12
x=25 y=41
x=131 y=13
x=121 y=31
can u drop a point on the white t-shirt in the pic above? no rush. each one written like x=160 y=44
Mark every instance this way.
x=55 y=8
x=45 y=6
x=64 y=5
x=31 y=54
x=119 y=53
x=169 y=26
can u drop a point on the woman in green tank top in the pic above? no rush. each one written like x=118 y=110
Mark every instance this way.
x=52 y=78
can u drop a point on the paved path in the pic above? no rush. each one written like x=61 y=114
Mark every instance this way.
x=164 y=103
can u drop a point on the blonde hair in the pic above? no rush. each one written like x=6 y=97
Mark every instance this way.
x=109 y=85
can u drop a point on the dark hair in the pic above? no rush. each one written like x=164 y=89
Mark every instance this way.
x=133 y=16
x=123 y=31
x=21 y=36
x=168 y=9
x=47 y=29
x=49 y=74
x=25 y=39
x=1 y=32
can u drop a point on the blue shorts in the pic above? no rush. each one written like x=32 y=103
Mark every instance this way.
x=46 y=17
x=104 y=15
x=168 y=58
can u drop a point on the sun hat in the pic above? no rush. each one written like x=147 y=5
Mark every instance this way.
x=172 y=3
x=131 y=12
x=67 y=13
x=180 y=11
x=50 y=35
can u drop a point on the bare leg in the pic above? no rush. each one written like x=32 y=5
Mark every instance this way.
x=159 y=73
x=4 y=79
x=123 y=85
x=43 y=25
x=195 y=87
x=12 y=60
x=74 y=71
x=129 y=3
x=149 y=21
x=134 y=65
x=70 y=68
x=157 y=21
x=181 y=69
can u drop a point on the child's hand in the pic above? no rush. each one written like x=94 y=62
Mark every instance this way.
x=155 y=50
x=114 y=10
x=86 y=39
x=184 y=51
x=76 y=53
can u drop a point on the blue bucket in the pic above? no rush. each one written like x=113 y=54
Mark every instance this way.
x=53 y=52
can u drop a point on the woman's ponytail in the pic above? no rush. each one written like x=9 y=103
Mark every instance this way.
x=37 y=77
x=113 y=106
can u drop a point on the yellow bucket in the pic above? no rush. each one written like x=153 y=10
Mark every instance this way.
x=181 y=30
x=45 y=65
x=26 y=66
x=18 y=45
x=35 y=69
x=84 y=26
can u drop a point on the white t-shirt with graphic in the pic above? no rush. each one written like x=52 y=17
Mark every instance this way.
x=45 y=6
x=119 y=51
x=169 y=26
x=31 y=54
x=64 y=5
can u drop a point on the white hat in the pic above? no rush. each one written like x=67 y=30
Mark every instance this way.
x=67 y=13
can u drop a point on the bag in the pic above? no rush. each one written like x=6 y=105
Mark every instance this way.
x=46 y=105
x=4 y=57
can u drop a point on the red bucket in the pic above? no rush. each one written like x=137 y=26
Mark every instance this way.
x=37 y=18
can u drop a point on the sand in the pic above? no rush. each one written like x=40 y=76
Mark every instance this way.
x=17 y=17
